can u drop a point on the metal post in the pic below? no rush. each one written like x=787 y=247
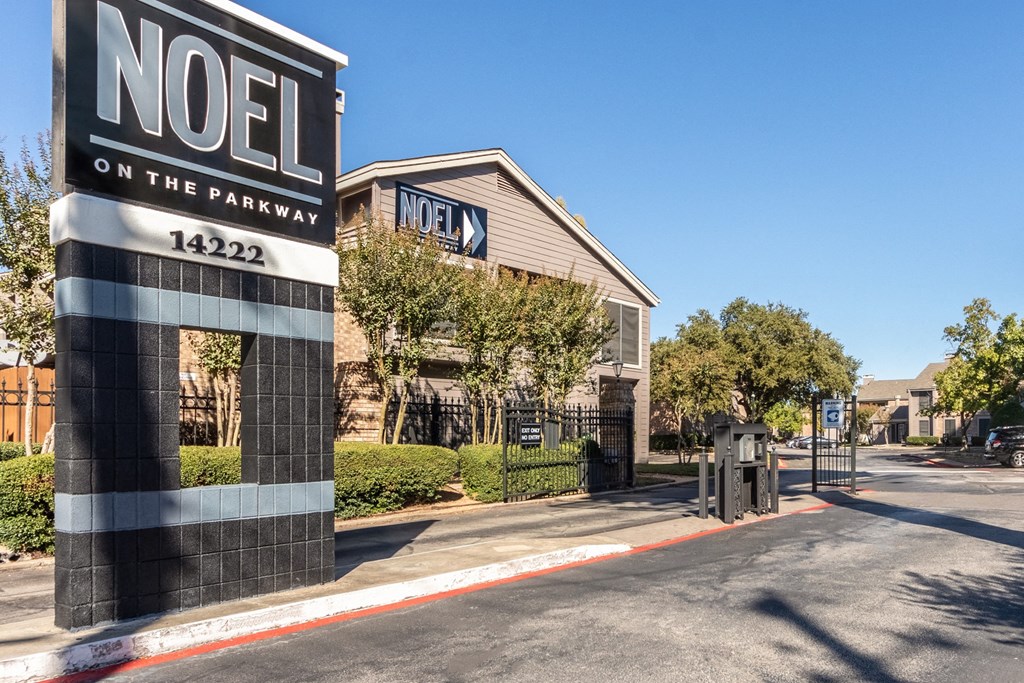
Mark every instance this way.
x=504 y=454
x=702 y=485
x=775 y=481
x=725 y=500
x=631 y=449
x=814 y=443
x=853 y=444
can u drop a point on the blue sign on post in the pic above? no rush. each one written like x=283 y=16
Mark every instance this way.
x=832 y=413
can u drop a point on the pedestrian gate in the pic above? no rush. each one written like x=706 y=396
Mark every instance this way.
x=552 y=451
x=834 y=443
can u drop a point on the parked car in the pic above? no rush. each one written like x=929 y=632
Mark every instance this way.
x=823 y=442
x=1006 y=445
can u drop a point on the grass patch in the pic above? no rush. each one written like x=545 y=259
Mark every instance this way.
x=685 y=470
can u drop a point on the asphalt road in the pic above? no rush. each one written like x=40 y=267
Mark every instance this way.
x=918 y=580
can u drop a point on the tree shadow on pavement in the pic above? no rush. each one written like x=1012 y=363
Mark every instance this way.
x=860 y=665
x=989 y=604
x=935 y=520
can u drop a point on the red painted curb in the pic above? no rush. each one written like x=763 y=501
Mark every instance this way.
x=146 y=662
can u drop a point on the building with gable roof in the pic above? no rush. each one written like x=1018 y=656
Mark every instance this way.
x=897 y=406
x=488 y=208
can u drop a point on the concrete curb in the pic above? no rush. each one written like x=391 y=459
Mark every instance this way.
x=104 y=653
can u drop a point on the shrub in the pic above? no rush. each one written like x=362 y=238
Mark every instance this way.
x=210 y=466
x=26 y=503
x=664 y=442
x=16 y=449
x=480 y=468
x=922 y=440
x=373 y=478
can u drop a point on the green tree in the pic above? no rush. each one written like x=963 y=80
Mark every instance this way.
x=26 y=312
x=785 y=418
x=1010 y=412
x=987 y=366
x=566 y=328
x=489 y=328
x=864 y=415
x=692 y=374
x=779 y=356
x=221 y=356
x=398 y=285
x=1009 y=348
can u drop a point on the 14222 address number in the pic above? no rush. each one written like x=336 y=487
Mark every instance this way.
x=217 y=248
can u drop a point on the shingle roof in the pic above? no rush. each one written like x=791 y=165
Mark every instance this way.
x=883 y=390
x=926 y=380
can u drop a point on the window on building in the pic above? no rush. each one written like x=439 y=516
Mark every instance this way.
x=625 y=345
x=949 y=426
x=924 y=401
x=924 y=428
x=354 y=205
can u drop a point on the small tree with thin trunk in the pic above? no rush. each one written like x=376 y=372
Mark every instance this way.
x=785 y=418
x=566 y=328
x=692 y=374
x=221 y=356
x=397 y=284
x=490 y=328
x=26 y=312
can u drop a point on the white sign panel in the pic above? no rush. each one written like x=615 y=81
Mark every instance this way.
x=832 y=413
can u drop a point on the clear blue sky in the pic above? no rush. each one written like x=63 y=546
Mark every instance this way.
x=861 y=160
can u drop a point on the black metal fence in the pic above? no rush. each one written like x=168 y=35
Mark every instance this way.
x=548 y=452
x=834 y=451
x=198 y=422
x=14 y=400
x=437 y=421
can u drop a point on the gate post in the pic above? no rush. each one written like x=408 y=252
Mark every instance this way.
x=814 y=443
x=853 y=444
x=504 y=452
x=702 y=484
x=774 y=481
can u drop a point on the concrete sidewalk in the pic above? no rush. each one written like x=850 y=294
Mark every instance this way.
x=382 y=561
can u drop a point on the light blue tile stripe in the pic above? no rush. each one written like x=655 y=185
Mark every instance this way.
x=96 y=512
x=102 y=299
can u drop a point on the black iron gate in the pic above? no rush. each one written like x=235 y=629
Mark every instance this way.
x=548 y=451
x=834 y=449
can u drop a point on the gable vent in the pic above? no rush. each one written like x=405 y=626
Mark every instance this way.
x=510 y=186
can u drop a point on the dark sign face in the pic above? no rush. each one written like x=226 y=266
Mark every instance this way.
x=460 y=227
x=176 y=104
x=530 y=435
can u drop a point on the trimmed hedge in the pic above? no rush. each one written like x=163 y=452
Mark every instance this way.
x=16 y=449
x=536 y=469
x=26 y=503
x=210 y=466
x=480 y=469
x=922 y=441
x=373 y=478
